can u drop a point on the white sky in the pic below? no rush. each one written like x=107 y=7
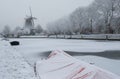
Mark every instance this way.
x=13 y=12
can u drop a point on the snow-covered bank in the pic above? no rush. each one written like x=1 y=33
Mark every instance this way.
x=12 y=64
x=60 y=65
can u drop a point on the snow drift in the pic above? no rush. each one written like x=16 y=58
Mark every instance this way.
x=60 y=65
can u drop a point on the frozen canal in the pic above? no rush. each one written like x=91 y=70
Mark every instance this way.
x=104 y=54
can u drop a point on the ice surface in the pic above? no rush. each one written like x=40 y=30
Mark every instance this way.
x=14 y=66
x=32 y=48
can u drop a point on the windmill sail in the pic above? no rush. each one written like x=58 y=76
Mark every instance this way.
x=32 y=17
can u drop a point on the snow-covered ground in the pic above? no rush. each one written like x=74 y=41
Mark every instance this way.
x=30 y=51
x=12 y=64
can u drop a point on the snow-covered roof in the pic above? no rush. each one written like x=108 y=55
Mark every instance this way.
x=60 y=65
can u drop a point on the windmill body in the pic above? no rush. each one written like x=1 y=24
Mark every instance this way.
x=29 y=24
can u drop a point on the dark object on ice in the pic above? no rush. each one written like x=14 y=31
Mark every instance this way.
x=92 y=63
x=14 y=43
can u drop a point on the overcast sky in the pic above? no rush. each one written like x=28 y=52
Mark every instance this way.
x=13 y=12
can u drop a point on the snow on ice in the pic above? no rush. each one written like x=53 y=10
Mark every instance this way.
x=31 y=49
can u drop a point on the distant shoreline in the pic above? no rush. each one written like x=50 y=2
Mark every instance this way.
x=109 y=37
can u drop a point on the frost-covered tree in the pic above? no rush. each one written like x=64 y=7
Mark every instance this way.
x=107 y=10
x=39 y=29
x=76 y=19
x=17 y=31
x=6 y=31
x=102 y=16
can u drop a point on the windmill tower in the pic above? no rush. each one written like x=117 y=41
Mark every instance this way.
x=29 y=23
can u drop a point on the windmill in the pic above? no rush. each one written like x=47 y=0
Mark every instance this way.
x=29 y=22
